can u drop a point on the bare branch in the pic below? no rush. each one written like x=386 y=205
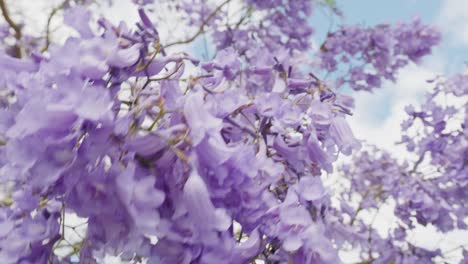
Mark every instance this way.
x=360 y=207
x=14 y=26
x=49 y=21
x=247 y=15
x=169 y=75
x=417 y=163
x=202 y=27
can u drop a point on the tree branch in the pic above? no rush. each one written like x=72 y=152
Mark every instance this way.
x=417 y=163
x=169 y=75
x=49 y=21
x=360 y=207
x=14 y=26
x=202 y=27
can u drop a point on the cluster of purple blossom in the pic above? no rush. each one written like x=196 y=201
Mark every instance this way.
x=222 y=165
x=431 y=190
x=368 y=56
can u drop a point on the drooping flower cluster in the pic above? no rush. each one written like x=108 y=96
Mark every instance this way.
x=221 y=164
x=375 y=54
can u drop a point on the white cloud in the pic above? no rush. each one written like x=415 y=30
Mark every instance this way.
x=453 y=20
x=378 y=116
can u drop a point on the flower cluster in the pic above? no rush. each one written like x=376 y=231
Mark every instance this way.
x=375 y=54
x=104 y=127
x=437 y=135
x=173 y=160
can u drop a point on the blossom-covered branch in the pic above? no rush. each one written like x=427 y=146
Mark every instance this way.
x=169 y=159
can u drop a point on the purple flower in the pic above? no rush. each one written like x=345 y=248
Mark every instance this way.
x=78 y=18
x=343 y=136
x=200 y=208
x=200 y=121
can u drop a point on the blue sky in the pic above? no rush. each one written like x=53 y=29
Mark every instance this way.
x=372 y=11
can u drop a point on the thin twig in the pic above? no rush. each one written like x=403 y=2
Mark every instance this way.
x=49 y=21
x=360 y=207
x=160 y=115
x=454 y=249
x=248 y=14
x=169 y=75
x=202 y=27
x=416 y=164
x=14 y=26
